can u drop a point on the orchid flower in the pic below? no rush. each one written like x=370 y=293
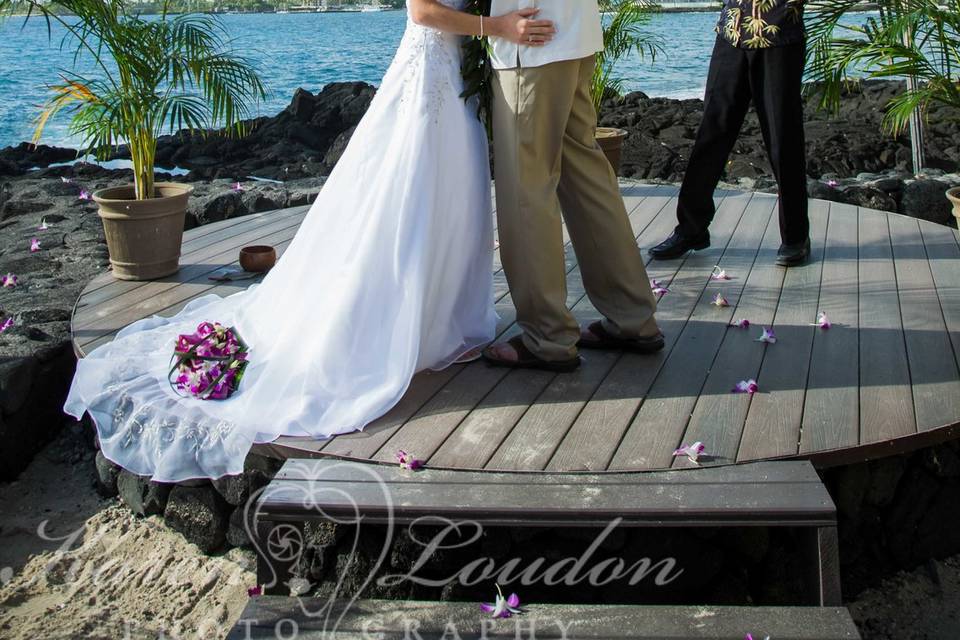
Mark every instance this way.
x=6 y=324
x=720 y=301
x=743 y=323
x=692 y=451
x=719 y=274
x=8 y=281
x=34 y=245
x=822 y=321
x=65 y=180
x=407 y=461
x=749 y=636
x=747 y=386
x=298 y=586
x=502 y=607
x=43 y=225
x=255 y=591
x=84 y=195
x=237 y=187
x=658 y=288
x=768 y=336
x=832 y=183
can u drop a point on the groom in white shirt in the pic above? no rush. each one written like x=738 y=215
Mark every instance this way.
x=547 y=159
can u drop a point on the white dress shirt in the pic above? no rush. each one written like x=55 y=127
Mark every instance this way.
x=579 y=33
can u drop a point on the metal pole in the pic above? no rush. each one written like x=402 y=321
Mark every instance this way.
x=916 y=124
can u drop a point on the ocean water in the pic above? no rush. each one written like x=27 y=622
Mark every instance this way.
x=311 y=50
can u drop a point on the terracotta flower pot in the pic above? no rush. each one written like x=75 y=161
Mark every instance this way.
x=953 y=195
x=144 y=236
x=611 y=141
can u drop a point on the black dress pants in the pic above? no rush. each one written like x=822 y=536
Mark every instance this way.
x=772 y=79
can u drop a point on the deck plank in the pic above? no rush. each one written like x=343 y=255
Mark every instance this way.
x=718 y=416
x=933 y=367
x=831 y=412
x=662 y=419
x=772 y=425
x=592 y=441
x=533 y=440
x=886 y=402
x=479 y=436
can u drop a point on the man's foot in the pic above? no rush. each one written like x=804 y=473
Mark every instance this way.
x=470 y=356
x=792 y=255
x=596 y=337
x=514 y=354
x=678 y=244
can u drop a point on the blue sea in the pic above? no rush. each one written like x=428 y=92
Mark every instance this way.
x=311 y=50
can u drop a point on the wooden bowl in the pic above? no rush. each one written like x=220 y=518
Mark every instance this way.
x=258 y=258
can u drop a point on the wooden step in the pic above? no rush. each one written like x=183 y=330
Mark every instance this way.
x=777 y=494
x=313 y=619
x=757 y=494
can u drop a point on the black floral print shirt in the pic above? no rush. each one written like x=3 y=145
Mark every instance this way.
x=760 y=24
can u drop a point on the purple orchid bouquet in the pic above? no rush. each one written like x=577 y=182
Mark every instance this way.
x=209 y=363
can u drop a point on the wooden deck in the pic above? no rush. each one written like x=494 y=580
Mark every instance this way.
x=884 y=379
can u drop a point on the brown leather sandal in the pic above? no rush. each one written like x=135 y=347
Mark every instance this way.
x=527 y=360
x=603 y=339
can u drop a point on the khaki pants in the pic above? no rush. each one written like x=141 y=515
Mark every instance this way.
x=547 y=158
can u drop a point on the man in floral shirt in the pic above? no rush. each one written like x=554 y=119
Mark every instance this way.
x=758 y=57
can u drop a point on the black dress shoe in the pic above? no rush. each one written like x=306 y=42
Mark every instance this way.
x=678 y=244
x=792 y=255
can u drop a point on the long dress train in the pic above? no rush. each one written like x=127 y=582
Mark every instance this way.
x=389 y=274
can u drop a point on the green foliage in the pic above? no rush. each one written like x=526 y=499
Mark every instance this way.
x=623 y=34
x=919 y=39
x=150 y=74
x=476 y=66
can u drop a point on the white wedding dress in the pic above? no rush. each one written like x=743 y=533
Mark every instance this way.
x=389 y=274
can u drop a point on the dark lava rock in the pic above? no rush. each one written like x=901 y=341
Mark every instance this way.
x=926 y=199
x=869 y=197
x=143 y=497
x=237 y=535
x=233 y=489
x=199 y=514
x=107 y=476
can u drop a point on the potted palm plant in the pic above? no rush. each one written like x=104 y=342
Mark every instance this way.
x=150 y=75
x=623 y=34
x=915 y=40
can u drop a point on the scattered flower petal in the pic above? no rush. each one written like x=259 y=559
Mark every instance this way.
x=407 y=461
x=6 y=324
x=34 y=245
x=768 y=336
x=692 y=451
x=298 y=586
x=719 y=274
x=237 y=187
x=658 y=288
x=720 y=301
x=833 y=183
x=502 y=607
x=65 y=180
x=255 y=591
x=747 y=386
x=84 y=195
x=8 y=281
x=823 y=321
x=43 y=225
x=742 y=323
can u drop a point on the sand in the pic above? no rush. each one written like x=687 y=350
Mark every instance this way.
x=104 y=573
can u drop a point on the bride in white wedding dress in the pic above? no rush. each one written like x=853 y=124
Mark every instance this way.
x=389 y=274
